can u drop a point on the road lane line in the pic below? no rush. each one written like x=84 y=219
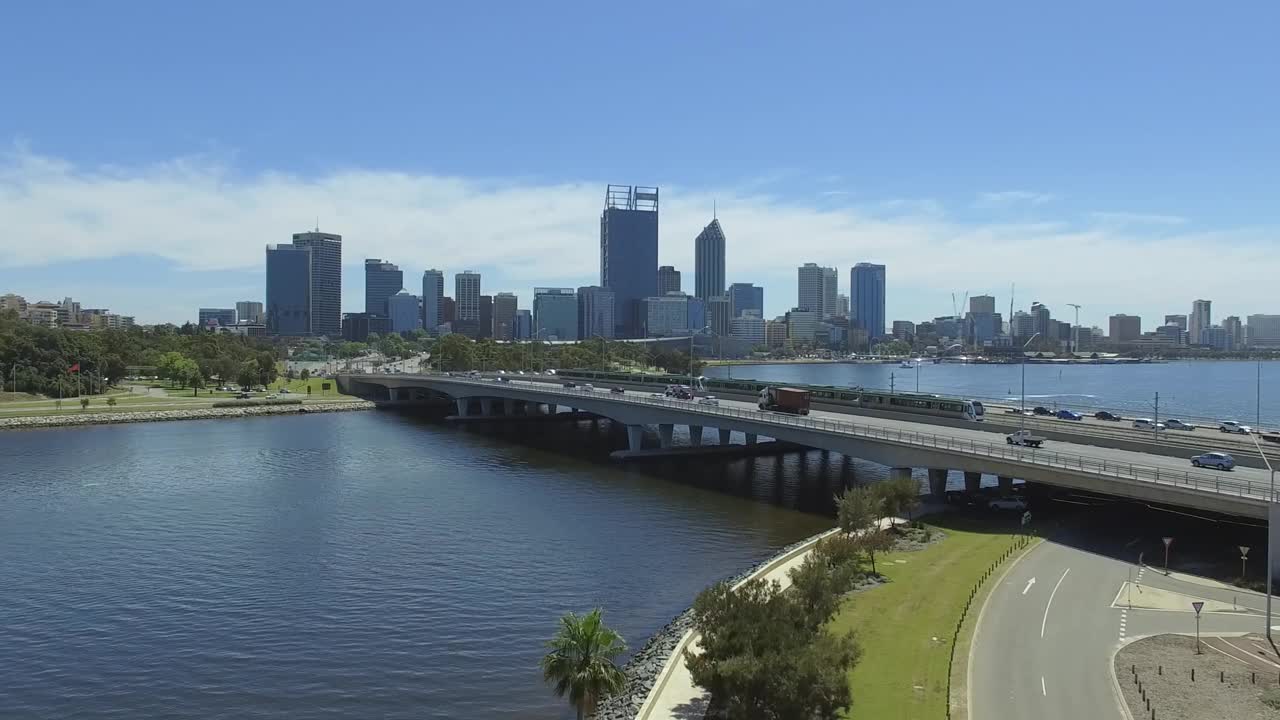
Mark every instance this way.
x=1042 y=690
x=1050 y=603
x=1030 y=582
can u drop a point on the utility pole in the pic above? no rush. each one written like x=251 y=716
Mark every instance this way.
x=1075 y=332
x=891 y=382
x=1155 y=427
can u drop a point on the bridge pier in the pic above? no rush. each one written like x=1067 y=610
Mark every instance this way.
x=725 y=436
x=937 y=483
x=664 y=435
x=1006 y=484
x=695 y=435
x=486 y=407
x=972 y=481
x=464 y=407
x=508 y=406
x=393 y=394
x=899 y=472
x=635 y=437
x=751 y=438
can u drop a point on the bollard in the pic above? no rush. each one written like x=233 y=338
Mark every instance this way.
x=1148 y=703
x=1193 y=674
x=1253 y=678
x=1159 y=669
x=1222 y=676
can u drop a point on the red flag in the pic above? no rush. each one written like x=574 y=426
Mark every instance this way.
x=74 y=368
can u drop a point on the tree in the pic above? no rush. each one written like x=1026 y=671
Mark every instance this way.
x=901 y=496
x=455 y=352
x=84 y=403
x=872 y=542
x=857 y=509
x=305 y=375
x=267 y=370
x=247 y=374
x=111 y=402
x=580 y=663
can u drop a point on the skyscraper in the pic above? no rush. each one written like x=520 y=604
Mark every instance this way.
x=402 y=312
x=524 y=324
x=288 y=293
x=708 y=262
x=744 y=297
x=629 y=253
x=486 y=317
x=249 y=311
x=555 y=313
x=432 y=300
x=1201 y=318
x=982 y=304
x=719 y=314
x=1235 y=329
x=667 y=315
x=595 y=312
x=1179 y=320
x=448 y=311
x=504 y=316
x=381 y=281
x=866 y=297
x=830 y=292
x=668 y=280
x=810 y=286
x=842 y=305
x=1041 y=318
x=466 y=298
x=1125 y=328
x=326 y=281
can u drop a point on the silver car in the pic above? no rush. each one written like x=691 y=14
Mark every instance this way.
x=1219 y=460
x=1178 y=425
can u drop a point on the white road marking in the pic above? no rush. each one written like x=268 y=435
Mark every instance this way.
x=1049 y=604
x=1030 y=582
x=1042 y=690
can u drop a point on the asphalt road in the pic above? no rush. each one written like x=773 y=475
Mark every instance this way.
x=1044 y=641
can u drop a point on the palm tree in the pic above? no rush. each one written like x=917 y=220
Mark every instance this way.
x=580 y=663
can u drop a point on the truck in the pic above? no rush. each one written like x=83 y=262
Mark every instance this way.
x=1024 y=438
x=784 y=399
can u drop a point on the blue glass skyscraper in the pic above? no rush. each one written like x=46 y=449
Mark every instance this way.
x=288 y=290
x=866 y=295
x=629 y=254
x=745 y=296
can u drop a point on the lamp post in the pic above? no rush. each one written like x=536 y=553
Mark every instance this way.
x=1271 y=528
x=1022 y=416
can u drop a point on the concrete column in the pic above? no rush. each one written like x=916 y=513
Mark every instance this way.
x=1006 y=483
x=509 y=406
x=972 y=481
x=751 y=438
x=464 y=407
x=486 y=406
x=937 y=483
x=635 y=437
x=899 y=473
x=1273 y=539
x=725 y=436
x=664 y=435
x=695 y=435
x=394 y=394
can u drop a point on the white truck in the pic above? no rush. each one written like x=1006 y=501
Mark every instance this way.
x=1024 y=438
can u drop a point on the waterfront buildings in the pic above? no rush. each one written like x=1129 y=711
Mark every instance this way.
x=744 y=297
x=1263 y=331
x=432 y=300
x=1125 y=328
x=466 y=299
x=1040 y=323
x=1022 y=325
x=1201 y=317
x=357 y=326
x=904 y=330
x=381 y=281
x=775 y=333
x=708 y=262
x=697 y=313
x=524 y=324
x=1233 y=326
x=842 y=305
x=249 y=311
x=486 y=317
x=668 y=280
x=667 y=315
x=403 y=315
x=448 y=312
x=867 y=298
x=1216 y=337
x=555 y=313
x=216 y=317
x=1179 y=320
x=748 y=327
x=596 y=312
x=810 y=287
x=719 y=313
x=504 y=316
x=326 y=280
x=802 y=325
x=288 y=306
x=629 y=253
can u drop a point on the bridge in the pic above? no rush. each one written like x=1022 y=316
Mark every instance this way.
x=900 y=444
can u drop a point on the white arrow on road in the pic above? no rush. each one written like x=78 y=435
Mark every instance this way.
x=1030 y=582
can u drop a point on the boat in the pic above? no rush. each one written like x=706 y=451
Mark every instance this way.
x=907 y=364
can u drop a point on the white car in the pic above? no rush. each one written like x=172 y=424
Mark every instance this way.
x=1009 y=503
x=1178 y=425
x=587 y=387
x=1231 y=426
x=708 y=400
x=1147 y=424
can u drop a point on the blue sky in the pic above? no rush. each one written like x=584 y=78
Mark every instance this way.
x=1099 y=153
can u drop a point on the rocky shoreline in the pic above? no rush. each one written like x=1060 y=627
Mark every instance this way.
x=111 y=418
x=643 y=668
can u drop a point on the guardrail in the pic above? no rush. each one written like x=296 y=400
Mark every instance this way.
x=1203 y=482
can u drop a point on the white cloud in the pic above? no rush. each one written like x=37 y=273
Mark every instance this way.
x=1010 y=198
x=1131 y=218
x=205 y=215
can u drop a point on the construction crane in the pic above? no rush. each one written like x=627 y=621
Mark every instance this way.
x=955 y=309
x=1075 y=331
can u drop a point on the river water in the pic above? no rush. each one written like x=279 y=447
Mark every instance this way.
x=1207 y=391
x=354 y=565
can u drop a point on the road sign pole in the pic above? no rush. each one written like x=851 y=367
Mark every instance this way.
x=1167 y=542
x=1197 y=607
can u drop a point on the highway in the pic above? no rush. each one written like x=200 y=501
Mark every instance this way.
x=1045 y=638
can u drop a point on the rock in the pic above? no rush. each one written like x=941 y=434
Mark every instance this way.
x=108 y=418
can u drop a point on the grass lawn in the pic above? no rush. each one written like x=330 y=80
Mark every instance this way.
x=300 y=386
x=905 y=627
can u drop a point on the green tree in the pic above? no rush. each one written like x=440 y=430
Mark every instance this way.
x=84 y=403
x=247 y=374
x=580 y=664
x=857 y=509
x=267 y=370
x=305 y=375
x=901 y=496
x=455 y=352
x=872 y=542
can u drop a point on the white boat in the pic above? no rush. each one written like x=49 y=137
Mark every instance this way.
x=908 y=365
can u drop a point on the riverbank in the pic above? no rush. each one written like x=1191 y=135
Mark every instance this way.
x=204 y=413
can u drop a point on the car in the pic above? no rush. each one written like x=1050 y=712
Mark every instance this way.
x=1178 y=425
x=1068 y=415
x=1147 y=424
x=1231 y=426
x=284 y=391
x=504 y=378
x=244 y=396
x=521 y=372
x=587 y=387
x=570 y=385
x=1039 y=410
x=658 y=396
x=273 y=396
x=1007 y=503
x=1220 y=460
x=1104 y=415
x=617 y=390
x=708 y=400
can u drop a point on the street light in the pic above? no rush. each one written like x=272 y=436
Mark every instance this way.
x=1022 y=416
x=1271 y=528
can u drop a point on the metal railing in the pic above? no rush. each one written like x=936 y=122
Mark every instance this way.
x=1204 y=482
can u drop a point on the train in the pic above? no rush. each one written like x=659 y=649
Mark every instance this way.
x=913 y=403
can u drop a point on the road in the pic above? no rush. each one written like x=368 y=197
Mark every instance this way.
x=1044 y=642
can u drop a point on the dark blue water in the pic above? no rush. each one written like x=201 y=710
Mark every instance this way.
x=354 y=565
x=1199 y=390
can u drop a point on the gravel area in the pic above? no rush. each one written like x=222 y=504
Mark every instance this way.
x=1164 y=665
x=107 y=418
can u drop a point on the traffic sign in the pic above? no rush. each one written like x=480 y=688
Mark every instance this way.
x=1167 y=541
x=1197 y=605
x=1244 y=551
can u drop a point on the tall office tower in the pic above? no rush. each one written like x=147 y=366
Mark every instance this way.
x=842 y=305
x=982 y=304
x=708 y=262
x=1022 y=325
x=866 y=296
x=982 y=322
x=667 y=315
x=466 y=298
x=1234 y=328
x=524 y=324
x=432 y=300
x=668 y=280
x=830 y=292
x=1262 y=331
x=1201 y=318
x=504 y=316
x=1179 y=320
x=381 y=281
x=595 y=312
x=749 y=327
x=486 y=317
x=555 y=313
x=719 y=314
x=326 y=281
x=288 y=293
x=697 y=317
x=810 y=285
x=1125 y=328
x=802 y=325
x=448 y=310
x=249 y=311
x=1041 y=319
x=216 y=317
x=403 y=314
x=629 y=254
x=744 y=297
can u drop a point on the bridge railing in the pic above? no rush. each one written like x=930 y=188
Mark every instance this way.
x=1204 y=482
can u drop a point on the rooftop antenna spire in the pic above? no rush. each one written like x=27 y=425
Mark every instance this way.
x=713 y=208
x=317 y=223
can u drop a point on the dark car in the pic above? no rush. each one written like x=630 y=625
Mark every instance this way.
x=1041 y=410
x=571 y=385
x=1065 y=414
x=1104 y=415
x=617 y=390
